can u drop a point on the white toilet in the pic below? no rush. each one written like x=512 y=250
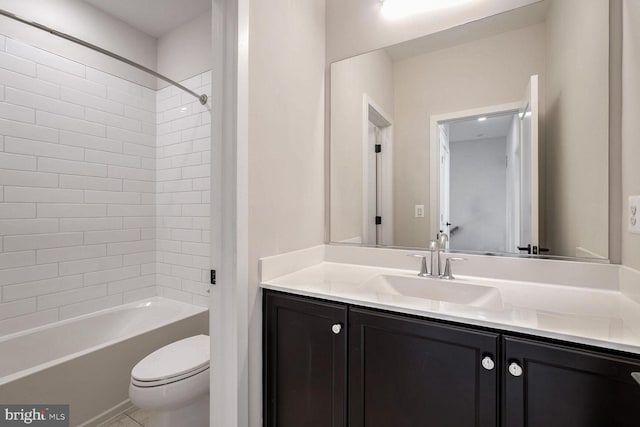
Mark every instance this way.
x=172 y=384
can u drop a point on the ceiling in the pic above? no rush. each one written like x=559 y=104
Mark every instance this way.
x=153 y=17
x=507 y=21
x=472 y=129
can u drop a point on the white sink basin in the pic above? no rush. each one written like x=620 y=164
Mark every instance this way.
x=450 y=291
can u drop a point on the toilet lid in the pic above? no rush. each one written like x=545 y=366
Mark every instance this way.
x=176 y=359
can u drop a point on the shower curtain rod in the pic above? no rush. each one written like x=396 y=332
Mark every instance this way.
x=203 y=98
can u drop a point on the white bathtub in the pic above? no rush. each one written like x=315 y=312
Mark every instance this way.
x=86 y=361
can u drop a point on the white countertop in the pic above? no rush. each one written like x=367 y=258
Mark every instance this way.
x=600 y=317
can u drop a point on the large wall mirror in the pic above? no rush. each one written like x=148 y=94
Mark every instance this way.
x=495 y=133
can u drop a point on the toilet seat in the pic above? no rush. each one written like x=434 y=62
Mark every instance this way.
x=175 y=362
x=164 y=381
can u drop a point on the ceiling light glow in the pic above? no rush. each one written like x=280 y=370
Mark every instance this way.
x=482 y=119
x=397 y=9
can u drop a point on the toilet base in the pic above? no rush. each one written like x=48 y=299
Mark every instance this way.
x=195 y=414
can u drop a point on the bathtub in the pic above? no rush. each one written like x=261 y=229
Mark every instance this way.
x=86 y=361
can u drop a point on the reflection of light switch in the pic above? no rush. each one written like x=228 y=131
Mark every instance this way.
x=419 y=211
x=634 y=214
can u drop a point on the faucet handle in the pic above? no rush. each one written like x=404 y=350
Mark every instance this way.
x=447 y=267
x=423 y=264
x=442 y=241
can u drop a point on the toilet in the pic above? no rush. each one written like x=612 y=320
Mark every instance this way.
x=172 y=384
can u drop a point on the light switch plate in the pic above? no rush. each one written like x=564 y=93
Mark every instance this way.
x=419 y=211
x=634 y=214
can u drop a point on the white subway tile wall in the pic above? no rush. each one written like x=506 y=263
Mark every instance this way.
x=104 y=189
x=182 y=198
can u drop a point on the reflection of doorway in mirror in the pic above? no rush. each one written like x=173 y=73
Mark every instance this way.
x=372 y=186
x=484 y=191
x=377 y=192
x=480 y=195
x=445 y=164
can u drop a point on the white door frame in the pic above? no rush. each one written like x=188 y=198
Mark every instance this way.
x=385 y=124
x=447 y=147
x=434 y=151
x=531 y=100
x=228 y=300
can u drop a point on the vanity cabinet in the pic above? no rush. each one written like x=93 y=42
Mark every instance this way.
x=407 y=372
x=559 y=386
x=332 y=364
x=305 y=350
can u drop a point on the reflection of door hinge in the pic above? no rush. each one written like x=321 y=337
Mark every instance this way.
x=213 y=277
x=378 y=148
x=378 y=220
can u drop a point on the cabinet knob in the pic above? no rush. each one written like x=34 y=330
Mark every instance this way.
x=515 y=369
x=488 y=363
x=336 y=328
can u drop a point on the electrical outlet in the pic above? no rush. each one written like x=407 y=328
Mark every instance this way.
x=634 y=214
x=419 y=211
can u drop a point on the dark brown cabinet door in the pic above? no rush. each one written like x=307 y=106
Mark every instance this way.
x=563 y=387
x=406 y=372
x=305 y=347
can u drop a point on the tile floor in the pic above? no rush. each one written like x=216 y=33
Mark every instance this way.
x=133 y=417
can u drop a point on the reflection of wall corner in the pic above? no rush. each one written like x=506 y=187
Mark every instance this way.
x=586 y=253
x=353 y=240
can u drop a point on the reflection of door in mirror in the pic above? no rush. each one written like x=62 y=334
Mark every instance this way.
x=478 y=178
x=373 y=207
x=514 y=185
x=370 y=231
x=377 y=203
x=529 y=205
x=486 y=193
x=445 y=218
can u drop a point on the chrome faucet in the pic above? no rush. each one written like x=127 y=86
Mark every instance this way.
x=448 y=274
x=428 y=270
x=433 y=247
x=436 y=247
x=424 y=272
x=441 y=246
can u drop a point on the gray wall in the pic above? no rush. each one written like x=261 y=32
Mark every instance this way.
x=286 y=147
x=478 y=194
x=577 y=127
x=630 y=126
x=370 y=74
x=186 y=51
